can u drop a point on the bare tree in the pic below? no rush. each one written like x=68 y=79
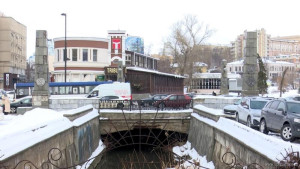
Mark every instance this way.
x=282 y=81
x=185 y=43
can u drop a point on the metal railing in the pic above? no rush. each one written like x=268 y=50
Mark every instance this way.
x=145 y=104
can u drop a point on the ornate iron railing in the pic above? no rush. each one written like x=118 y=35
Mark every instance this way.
x=146 y=104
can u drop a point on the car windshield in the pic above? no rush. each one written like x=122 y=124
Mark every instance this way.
x=293 y=107
x=255 y=104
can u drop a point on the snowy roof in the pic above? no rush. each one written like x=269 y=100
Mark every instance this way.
x=207 y=75
x=268 y=61
x=236 y=62
x=200 y=64
x=153 y=71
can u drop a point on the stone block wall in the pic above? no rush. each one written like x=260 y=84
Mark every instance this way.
x=60 y=104
x=214 y=143
x=216 y=102
x=69 y=147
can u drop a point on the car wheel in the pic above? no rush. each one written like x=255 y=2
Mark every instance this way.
x=162 y=106
x=286 y=133
x=237 y=117
x=120 y=106
x=263 y=127
x=13 y=110
x=249 y=122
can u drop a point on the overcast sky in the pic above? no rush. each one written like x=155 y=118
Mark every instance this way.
x=152 y=19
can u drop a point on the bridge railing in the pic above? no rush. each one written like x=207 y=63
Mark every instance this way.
x=145 y=104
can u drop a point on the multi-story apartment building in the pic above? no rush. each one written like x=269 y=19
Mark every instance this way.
x=267 y=46
x=13 y=36
x=284 y=46
x=239 y=44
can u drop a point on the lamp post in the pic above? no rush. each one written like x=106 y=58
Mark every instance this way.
x=65 y=53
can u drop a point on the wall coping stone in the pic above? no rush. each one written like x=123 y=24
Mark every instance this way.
x=79 y=112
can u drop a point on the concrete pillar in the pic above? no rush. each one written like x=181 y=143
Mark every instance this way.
x=40 y=95
x=224 y=80
x=250 y=71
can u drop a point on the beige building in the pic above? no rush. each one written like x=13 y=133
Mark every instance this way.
x=285 y=45
x=13 y=36
x=239 y=44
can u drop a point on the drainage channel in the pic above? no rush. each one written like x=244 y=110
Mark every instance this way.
x=141 y=149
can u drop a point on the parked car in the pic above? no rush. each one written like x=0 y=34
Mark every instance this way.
x=23 y=102
x=249 y=110
x=192 y=95
x=175 y=101
x=114 y=102
x=296 y=98
x=230 y=110
x=282 y=116
x=11 y=95
x=149 y=101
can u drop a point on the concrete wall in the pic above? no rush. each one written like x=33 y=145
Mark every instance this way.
x=213 y=143
x=215 y=102
x=72 y=103
x=75 y=143
x=114 y=121
x=60 y=104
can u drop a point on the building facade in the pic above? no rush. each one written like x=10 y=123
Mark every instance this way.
x=86 y=59
x=13 y=48
x=267 y=46
x=238 y=46
x=280 y=46
x=274 y=68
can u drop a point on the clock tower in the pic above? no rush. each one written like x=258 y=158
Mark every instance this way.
x=40 y=95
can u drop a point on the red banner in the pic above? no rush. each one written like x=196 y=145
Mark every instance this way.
x=116 y=44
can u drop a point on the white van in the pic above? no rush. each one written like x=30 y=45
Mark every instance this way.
x=113 y=89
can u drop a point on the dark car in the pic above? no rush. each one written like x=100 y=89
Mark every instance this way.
x=282 y=116
x=175 y=101
x=23 y=102
x=149 y=101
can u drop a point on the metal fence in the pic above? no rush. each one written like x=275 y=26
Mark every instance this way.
x=146 y=104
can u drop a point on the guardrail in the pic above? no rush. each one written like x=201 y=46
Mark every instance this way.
x=145 y=104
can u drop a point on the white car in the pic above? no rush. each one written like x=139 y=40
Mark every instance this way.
x=113 y=102
x=11 y=95
x=249 y=110
x=230 y=110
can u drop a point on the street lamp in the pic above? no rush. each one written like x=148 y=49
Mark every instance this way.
x=65 y=53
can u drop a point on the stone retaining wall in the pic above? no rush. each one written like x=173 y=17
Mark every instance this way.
x=76 y=144
x=60 y=104
x=215 y=102
x=214 y=143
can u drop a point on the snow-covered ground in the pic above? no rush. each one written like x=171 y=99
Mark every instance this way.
x=194 y=157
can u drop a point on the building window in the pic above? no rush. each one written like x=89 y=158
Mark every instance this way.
x=57 y=51
x=74 y=54
x=84 y=55
x=95 y=55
